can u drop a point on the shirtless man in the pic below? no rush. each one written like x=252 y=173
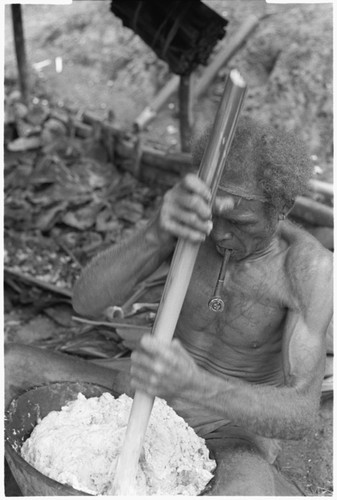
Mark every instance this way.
x=252 y=374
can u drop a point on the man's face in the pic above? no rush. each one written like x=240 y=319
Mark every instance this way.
x=241 y=226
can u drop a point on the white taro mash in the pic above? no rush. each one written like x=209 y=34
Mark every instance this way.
x=80 y=444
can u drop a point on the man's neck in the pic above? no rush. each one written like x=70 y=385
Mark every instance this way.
x=270 y=247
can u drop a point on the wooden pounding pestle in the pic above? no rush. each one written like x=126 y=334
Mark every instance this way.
x=179 y=276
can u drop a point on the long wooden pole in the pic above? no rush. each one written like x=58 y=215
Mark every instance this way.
x=228 y=49
x=224 y=56
x=178 y=279
x=20 y=51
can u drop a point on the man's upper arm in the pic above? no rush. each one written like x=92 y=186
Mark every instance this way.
x=304 y=346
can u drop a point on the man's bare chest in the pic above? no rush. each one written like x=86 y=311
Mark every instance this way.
x=253 y=310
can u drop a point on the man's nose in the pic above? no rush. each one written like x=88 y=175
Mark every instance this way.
x=221 y=226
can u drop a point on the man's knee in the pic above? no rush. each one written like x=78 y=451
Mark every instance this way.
x=244 y=472
x=28 y=366
x=15 y=382
x=12 y=352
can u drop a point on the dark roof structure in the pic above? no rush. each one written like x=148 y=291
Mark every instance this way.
x=182 y=33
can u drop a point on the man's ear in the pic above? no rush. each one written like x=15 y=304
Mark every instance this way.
x=284 y=212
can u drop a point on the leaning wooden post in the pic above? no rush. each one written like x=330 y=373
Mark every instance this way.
x=20 y=51
x=185 y=112
x=178 y=279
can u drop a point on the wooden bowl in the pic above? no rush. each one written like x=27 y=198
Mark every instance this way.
x=21 y=417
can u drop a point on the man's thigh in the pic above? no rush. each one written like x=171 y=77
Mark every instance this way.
x=27 y=366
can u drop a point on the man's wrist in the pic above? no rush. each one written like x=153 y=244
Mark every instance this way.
x=158 y=237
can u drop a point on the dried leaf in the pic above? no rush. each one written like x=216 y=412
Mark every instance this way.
x=61 y=314
x=84 y=218
x=53 y=130
x=18 y=217
x=131 y=336
x=24 y=129
x=20 y=110
x=105 y=222
x=38 y=329
x=96 y=348
x=130 y=211
x=95 y=180
x=47 y=219
x=37 y=114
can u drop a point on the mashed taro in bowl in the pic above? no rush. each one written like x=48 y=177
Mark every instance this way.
x=80 y=444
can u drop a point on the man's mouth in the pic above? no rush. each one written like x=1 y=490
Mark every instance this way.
x=221 y=248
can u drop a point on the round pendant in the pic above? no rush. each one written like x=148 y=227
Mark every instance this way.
x=216 y=304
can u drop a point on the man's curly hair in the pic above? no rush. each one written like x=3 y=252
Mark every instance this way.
x=276 y=159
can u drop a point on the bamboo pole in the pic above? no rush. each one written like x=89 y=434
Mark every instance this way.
x=20 y=51
x=185 y=112
x=179 y=277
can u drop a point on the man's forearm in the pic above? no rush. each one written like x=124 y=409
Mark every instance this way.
x=277 y=412
x=110 y=277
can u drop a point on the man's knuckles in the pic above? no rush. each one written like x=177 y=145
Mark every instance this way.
x=189 y=181
x=193 y=183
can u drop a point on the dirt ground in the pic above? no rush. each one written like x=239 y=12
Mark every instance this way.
x=107 y=69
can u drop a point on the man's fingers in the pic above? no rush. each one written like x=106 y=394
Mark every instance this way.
x=177 y=201
x=139 y=385
x=181 y=231
x=197 y=206
x=154 y=347
x=192 y=221
x=160 y=369
x=194 y=184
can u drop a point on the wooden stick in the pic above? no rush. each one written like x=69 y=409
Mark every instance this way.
x=110 y=324
x=36 y=282
x=226 y=52
x=159 y=100
x=313 y=212
x=321 y=187
x=178 y=279
x=20 y=51
x=185 y=112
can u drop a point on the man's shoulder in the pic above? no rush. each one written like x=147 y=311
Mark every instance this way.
x=302 y=246
x=307 y=261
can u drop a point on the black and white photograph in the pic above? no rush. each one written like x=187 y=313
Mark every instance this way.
x=168 y=213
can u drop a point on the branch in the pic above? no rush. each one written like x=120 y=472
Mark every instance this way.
x=37 y=282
